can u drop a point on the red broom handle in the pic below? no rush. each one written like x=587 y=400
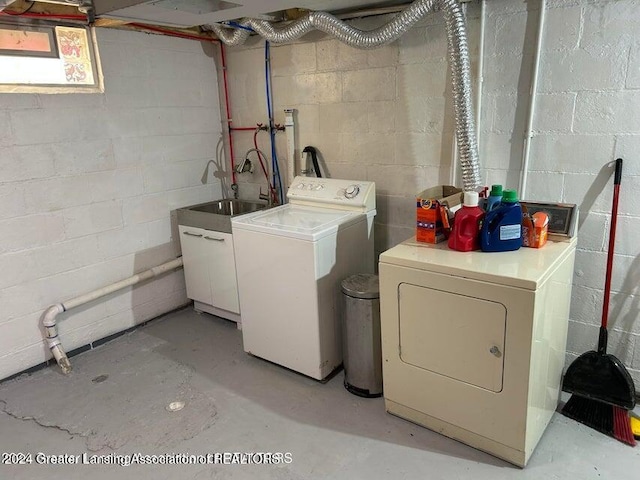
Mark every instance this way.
x=612 y=240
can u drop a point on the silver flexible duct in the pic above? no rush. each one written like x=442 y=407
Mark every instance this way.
x=403 y=21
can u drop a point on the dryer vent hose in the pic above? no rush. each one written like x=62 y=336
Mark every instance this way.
x=459 y=62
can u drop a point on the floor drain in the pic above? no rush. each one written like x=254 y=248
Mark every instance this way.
x=175 y=406
x=100 y=378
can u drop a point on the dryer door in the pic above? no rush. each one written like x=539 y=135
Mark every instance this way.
x=453 y=335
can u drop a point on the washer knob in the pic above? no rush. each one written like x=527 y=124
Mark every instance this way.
x=351 y=191
x=301 y=186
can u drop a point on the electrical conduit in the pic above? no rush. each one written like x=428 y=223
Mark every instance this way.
x=49 y=317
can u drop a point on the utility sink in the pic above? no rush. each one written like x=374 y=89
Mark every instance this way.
x=228 y=206
x=217 y=215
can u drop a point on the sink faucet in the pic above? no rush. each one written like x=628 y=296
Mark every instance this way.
x=245 y=166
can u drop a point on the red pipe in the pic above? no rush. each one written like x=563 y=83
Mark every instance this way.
x=46 y=15
x=173 y=33
x=138 y=25
x=243 y=128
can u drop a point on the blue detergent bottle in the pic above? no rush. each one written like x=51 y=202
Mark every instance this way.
x=502 y=227
x=494 y=198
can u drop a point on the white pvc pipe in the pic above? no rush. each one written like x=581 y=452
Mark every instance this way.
x=290 y=131
x=49 y=317
x=524 y=171
x=454 y=162
x=480 y=79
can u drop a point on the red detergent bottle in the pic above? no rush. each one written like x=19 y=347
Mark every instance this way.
x=465 y=236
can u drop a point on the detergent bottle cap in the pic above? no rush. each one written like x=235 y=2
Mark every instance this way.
x=496 y=191
x=510 y=196
x=470 y=199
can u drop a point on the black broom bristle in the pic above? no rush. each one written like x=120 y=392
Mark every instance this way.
x=600 y=416
x=591 y=413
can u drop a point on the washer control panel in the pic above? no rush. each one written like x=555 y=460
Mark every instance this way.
x=352 y=191
x=343 y=194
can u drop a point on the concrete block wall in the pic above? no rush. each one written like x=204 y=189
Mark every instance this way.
x=386 y=115
x=87 y=184
x=587 y=116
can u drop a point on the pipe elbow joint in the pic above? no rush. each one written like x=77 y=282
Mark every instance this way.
x=51 y=337
x=50 y=314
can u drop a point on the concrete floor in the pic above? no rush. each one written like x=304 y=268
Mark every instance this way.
x=115 y=402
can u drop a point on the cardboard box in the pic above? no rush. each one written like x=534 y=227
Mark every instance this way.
x=534 y=229
x=432 y=206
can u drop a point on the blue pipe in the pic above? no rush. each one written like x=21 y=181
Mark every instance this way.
x=272 y=132
x=237 y=25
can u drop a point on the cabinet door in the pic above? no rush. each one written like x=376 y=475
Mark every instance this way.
x=195 y=255
x=222 y=272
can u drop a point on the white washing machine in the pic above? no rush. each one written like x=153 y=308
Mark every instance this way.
x=290 y=261
x=473 y=344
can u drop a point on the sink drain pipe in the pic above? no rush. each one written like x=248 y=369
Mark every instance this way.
x=290 y=132
x=50 y=314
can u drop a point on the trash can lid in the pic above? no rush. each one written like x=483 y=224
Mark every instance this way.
x=361 y=285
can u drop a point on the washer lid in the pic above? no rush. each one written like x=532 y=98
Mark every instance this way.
x=306 y=223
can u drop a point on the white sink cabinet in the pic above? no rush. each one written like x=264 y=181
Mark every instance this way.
x=210 y=271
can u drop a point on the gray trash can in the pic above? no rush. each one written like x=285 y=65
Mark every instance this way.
x=361 y=347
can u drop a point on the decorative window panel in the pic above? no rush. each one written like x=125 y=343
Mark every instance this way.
x=73 y=44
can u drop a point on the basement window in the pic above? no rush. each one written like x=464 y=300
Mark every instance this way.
x=48 y=59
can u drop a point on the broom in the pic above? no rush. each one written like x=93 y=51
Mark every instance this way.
x=603 y=391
